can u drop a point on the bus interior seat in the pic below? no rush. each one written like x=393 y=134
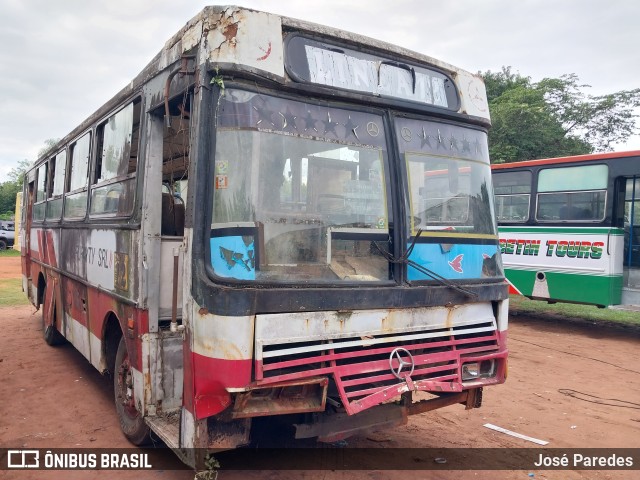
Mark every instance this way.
x=178 y=215
x=575 y=213
x=112 y=201
x=172 y=215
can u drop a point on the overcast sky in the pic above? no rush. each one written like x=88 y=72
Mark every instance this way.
x=61 y=60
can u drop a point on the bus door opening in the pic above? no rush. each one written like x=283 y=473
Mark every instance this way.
x=27 y=211
x=175 y=181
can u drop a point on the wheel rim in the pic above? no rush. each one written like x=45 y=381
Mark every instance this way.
x=125 y=388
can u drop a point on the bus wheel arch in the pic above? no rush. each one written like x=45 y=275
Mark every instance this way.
x=131 y=420
x=42 y=285
x=111 y=335
x=50 y=333
x=117 y=359
x=52 y=336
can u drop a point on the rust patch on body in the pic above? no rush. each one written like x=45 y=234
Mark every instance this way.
x=388 y=322
x=228 y=25
x=449 y=320
x=230 y=32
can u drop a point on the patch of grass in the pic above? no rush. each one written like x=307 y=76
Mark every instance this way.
x=519 y=304
x=11 y=293
x=9 y=252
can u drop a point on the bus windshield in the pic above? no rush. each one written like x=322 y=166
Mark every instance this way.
x=451 y=223
x=300 y=192
x=449 y=178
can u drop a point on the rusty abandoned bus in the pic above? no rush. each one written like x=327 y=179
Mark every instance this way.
x=248 y=229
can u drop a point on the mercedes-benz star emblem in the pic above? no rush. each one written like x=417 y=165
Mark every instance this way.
x=405 y=363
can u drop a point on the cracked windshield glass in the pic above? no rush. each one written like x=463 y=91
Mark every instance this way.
x=300 y=192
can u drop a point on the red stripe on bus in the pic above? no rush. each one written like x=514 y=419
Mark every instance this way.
x=50 y=253
x=579 y=158
x=512 y=289
x=211 y=377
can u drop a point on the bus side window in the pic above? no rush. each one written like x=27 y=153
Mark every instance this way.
x=512 y=191
x=57 y=168
x=572 y=194
x=113 y=186
x=75 y=203
x=173 y=211
x=40 y=200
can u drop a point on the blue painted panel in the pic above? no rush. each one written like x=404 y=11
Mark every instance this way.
x=232 y=257
x=459 y=262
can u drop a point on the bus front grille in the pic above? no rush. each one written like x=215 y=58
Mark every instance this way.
x=361 y=366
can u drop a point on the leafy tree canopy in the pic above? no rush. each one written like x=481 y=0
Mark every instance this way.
x=11 y=187
x=16 y=174
x=554 y=117
x=8 y=191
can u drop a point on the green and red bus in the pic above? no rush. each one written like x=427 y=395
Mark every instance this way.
x=570 y=227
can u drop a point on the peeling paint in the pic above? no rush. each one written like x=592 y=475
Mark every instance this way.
x=248 y=38
x=230 y=32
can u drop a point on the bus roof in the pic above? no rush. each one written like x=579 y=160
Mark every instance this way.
x=559 y=160
x=252 y=41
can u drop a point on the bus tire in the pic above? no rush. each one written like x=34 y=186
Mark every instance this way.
x=3 y=244
x=131 y=421
x=50 y=333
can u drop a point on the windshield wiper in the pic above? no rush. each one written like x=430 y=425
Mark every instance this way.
x=404 y=259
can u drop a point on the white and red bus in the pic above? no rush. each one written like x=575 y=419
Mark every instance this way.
x=570 y=227
x=248 y=230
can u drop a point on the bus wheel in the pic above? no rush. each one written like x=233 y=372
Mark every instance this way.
x=52 y=336
x=131 y=422
x=3 y=244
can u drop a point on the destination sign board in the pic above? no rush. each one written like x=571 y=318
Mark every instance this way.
x=316 y=62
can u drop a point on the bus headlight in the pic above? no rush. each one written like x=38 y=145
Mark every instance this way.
x=474 y=370
x=470 y=371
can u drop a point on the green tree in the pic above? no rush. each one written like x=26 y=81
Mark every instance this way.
x=16 y=174
x=49 y=143
x=11 y=187
x=554 y=117
x=8 y=191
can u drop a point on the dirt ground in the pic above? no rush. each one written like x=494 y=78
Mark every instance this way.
x=53 y=398
x=9 y=268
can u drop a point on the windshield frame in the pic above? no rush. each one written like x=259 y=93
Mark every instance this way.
x=410 y=142
x=482 y=158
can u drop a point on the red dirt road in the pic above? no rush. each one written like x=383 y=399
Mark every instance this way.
x=53 y=398
x=9 y=268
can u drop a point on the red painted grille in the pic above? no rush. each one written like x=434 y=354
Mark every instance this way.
x=360 y=365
